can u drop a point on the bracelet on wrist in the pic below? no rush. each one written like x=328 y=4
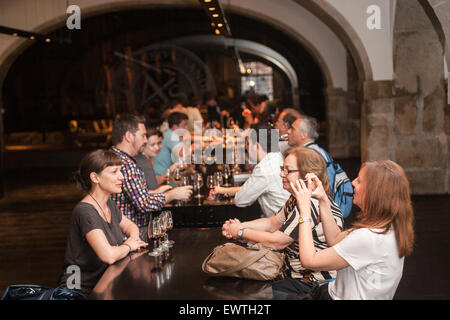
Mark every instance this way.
x=304 y=219
x=125 y=244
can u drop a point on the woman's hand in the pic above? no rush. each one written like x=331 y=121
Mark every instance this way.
x=234 y=227
x=317 y=191
x=135 y=243
x=225 y=230
x=230 y=228
x=302 y=194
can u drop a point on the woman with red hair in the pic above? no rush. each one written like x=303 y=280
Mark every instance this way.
x=368 y=257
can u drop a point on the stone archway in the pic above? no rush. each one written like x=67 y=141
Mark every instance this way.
x=330 y=69
x=346 y=132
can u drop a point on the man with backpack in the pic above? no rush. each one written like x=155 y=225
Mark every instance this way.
x=303 y=133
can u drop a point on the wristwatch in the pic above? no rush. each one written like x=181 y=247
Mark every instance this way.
x=301 y=220
x=241 y=232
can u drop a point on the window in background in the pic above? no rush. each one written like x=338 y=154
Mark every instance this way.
x=259 y=78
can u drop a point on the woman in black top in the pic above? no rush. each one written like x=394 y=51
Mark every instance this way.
x=99 y=234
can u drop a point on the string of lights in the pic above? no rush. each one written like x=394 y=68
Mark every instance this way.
x=220 y=25
x=25 y=34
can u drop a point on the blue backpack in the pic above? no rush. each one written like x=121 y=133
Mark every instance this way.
x=340 y=185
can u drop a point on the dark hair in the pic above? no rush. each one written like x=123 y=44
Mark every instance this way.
x=271 y=106
x=208 y=95
x=261 y=98
x=264 y=138
x=95 y=161
x=154 y=132
x=124 y=123
x=289 y=119
x=195 y=100
x=175 y=118
x=289 y=115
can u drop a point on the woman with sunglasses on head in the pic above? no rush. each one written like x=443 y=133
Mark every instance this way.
x=369 y=257
x=99 y=234
x=281 y=230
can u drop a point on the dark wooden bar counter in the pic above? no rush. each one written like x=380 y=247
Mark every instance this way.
x=206 y=213
x=178 y=276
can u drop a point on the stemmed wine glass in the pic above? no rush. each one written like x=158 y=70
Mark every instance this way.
x=218 y=179
x=162 y=233
x=198 y=184
x=226 y=176
x=177 y=175
x=185 y=181
x=154 y=230
x=167 y=219
x=210 y=184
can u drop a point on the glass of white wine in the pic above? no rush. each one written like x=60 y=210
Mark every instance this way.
x=198 y=184
x=168 y=223
x=154 y=229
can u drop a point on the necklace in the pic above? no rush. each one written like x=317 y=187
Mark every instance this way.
x=104 y=214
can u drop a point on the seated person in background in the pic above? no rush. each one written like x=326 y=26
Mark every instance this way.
x=255 y=111
x=284 y=122
x=171 y=139
x=214 y=110
x=264 y=184
x=129 y=137
x=369 y=257
x=144 y=161
x=281 y=231
x=195 y=118
x=99 y=234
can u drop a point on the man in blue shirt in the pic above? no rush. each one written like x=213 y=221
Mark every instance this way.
x=171 y=138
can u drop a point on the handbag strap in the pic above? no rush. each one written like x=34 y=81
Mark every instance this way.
x=244 y=264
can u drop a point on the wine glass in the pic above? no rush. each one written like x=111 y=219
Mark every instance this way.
x=162 y=233
x=154 y=230
x=218 y=179
x=185 y=181
x=177 y=176
x=168 y=222
x=168 y=177
x=198 y=184
x=210 y=185
x=210 y=182
x=163 y=217
x=226 y=176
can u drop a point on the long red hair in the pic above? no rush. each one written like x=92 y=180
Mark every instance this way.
x=387 y=203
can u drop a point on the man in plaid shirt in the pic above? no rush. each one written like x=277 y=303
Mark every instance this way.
x=129 y=137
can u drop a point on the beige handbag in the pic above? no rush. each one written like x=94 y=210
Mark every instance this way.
x=256 y=262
